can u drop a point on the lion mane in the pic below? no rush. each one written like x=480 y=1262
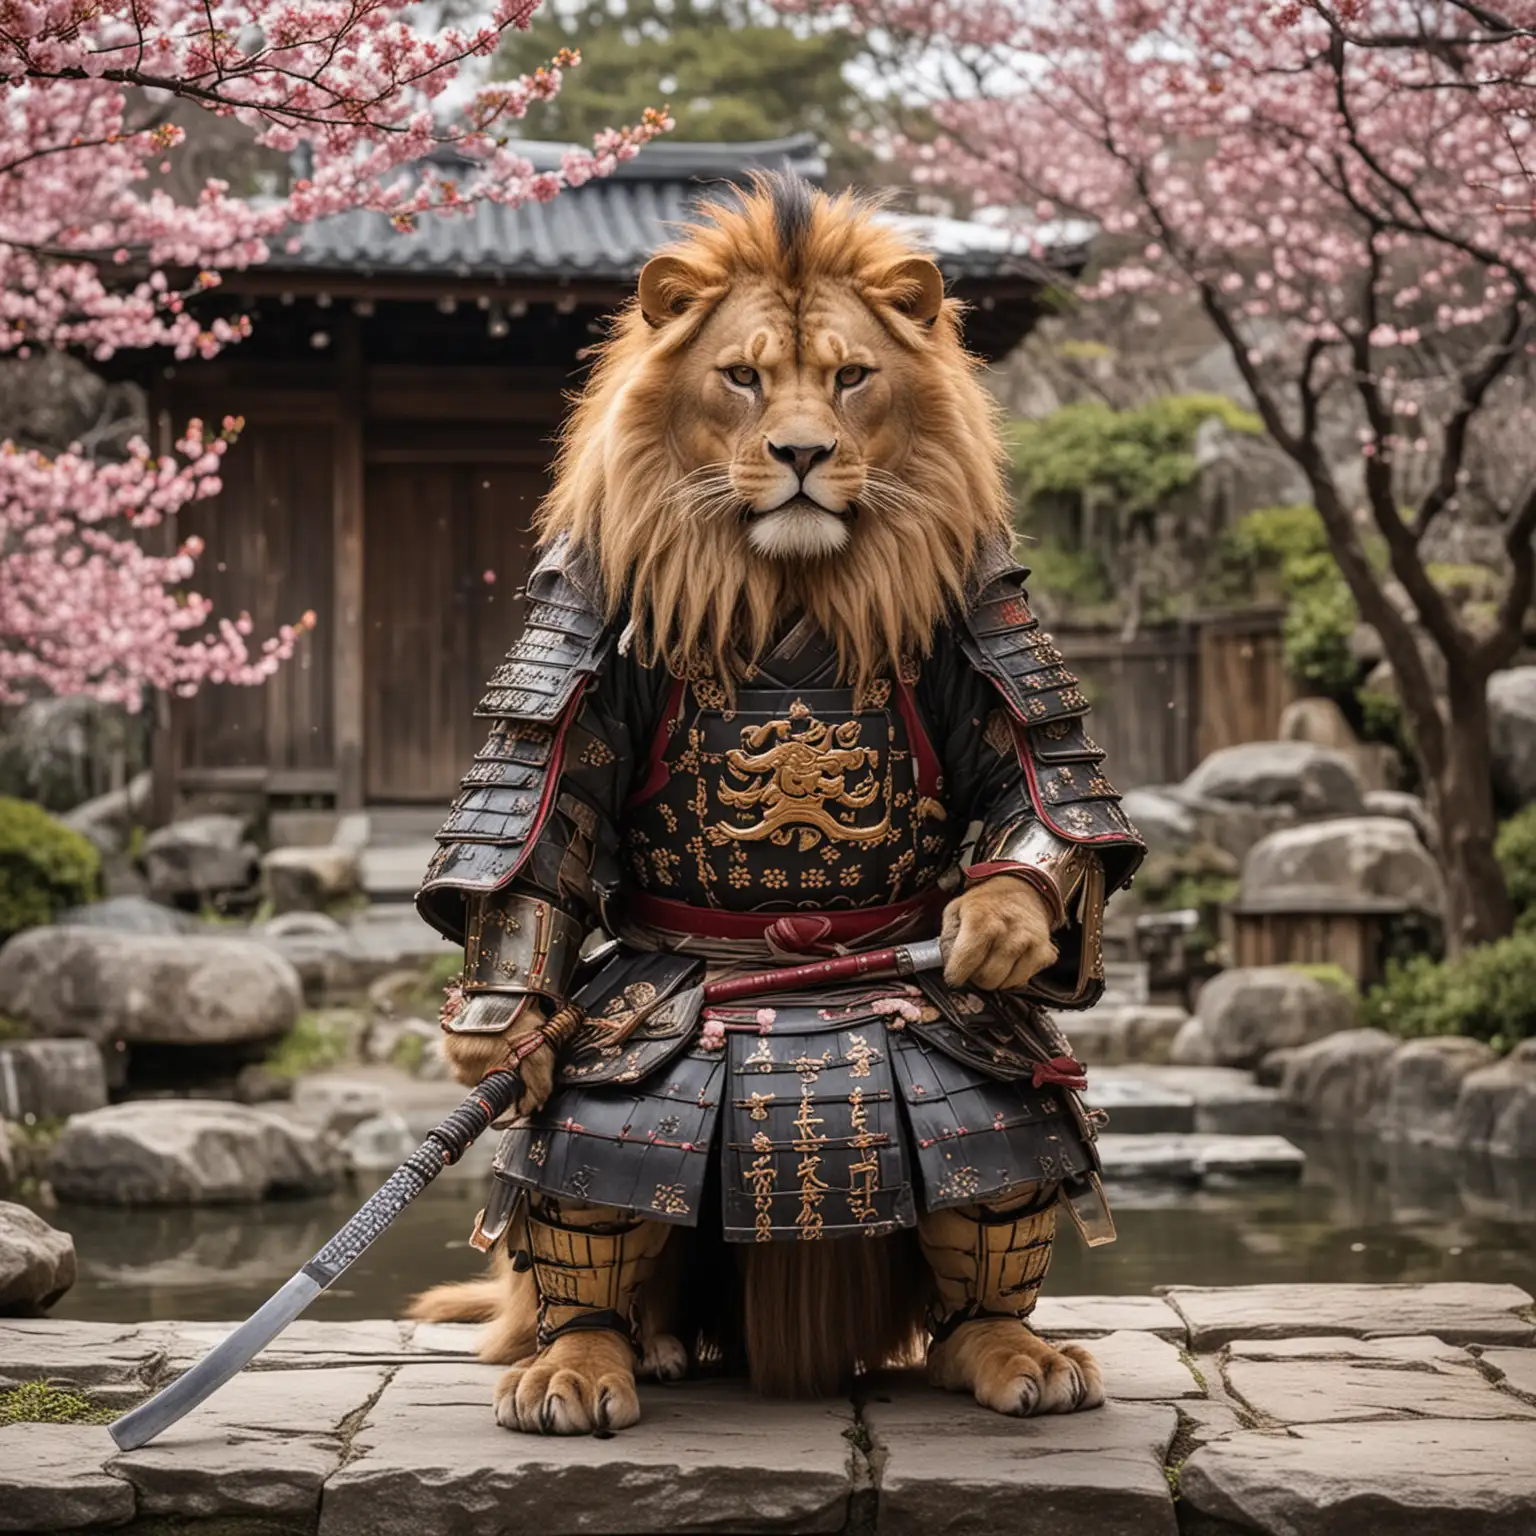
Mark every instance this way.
x=665 y=538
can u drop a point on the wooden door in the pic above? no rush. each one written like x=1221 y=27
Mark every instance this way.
x=446 y=551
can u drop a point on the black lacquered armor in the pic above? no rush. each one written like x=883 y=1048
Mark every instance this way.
x=783 y=813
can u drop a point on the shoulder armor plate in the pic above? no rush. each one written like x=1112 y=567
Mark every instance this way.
x=508 y=793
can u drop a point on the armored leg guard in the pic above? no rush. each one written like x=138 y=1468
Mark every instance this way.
x=588 y=1267
x=988 y=1262
x=988 y=1265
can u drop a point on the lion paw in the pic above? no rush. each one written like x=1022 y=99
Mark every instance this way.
x=664 y=1358
x=583 y=1382
x=1011 y=1370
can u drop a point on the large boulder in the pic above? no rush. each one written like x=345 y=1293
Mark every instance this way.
x=51 y=1079
x=1319 y=721
x=1405 y=807
x=109 y=819
x=1112 y=1037
x=1512 y=722
x=1163 y=819
x=200 y=859
x=1248 y=1012
x=1335 y=1081
x=129 y=914
x=197 y=990
x=1311 y=780
x=1496 y=1106
x=309 y=879
x=1356 y=861
x=37 y=1262
x=1419 y=1086
x=189 y=1152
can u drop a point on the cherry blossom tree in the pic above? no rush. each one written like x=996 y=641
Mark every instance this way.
x=1345 y=190
x=96 y=256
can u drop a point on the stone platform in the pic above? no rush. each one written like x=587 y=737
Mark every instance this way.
x=1327 y=1410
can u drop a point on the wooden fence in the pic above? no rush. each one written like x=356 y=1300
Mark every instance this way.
x=1174 y=693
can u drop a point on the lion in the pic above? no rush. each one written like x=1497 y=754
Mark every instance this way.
x=784 y=420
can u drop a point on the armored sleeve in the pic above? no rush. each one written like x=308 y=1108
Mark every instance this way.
x=525 y=862
x=1019 y=761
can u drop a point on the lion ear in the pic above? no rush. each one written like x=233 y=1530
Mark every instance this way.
x=668 y=287
x=915 y=286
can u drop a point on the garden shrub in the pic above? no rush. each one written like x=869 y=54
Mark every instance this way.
x=1516 y=851
x=1329 y=974
x=1134 y=460
x=1485 y=992
x=45 y=867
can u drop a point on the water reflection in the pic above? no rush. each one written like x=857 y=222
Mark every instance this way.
x=1363 y=1211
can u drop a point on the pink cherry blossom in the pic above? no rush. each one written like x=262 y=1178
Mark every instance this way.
x=95 y=258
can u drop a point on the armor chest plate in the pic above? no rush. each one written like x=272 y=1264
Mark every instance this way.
x=792 y=799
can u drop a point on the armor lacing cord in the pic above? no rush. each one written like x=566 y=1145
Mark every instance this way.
x=589 y=1276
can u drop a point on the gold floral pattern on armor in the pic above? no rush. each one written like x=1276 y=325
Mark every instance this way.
x=538 y=1151
x=909 y=669
x=761 y=1058
x=665 y=862
x=851 y=875
x=757 y=1105
x=1078 y=818
x=873 y=695
x=709 y=693
x=761 y=1177
x=961 y=1182
x=829 y=854
x=669 y=1200
x=597 y=753
x=808 y=1143
x=668 y=817
x=814 y=879
x=775 y=879
x=1057 y=730
x=864 y=1175
x=1099 y=785
x=802 y=775
x=861 y=1056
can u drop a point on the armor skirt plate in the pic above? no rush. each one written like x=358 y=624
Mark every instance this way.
x=832 y=1120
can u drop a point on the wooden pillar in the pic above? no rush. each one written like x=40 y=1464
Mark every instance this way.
x=347 y=510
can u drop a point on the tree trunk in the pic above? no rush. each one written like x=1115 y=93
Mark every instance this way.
x=1461 y=802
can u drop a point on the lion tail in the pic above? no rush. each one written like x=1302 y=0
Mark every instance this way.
x=468 y=1301
x=505 y=1299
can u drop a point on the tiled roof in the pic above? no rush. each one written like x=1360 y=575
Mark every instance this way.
x=607 y=228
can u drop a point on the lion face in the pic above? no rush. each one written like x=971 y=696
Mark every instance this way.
x=801 y=409
x=785 y=420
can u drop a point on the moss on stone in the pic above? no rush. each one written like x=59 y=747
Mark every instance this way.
x=40 y=1402
x=317 y=1040
x=1330 y=975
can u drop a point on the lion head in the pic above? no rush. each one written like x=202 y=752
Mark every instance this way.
x=783 y=418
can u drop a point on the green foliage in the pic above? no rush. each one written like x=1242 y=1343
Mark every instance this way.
x=44 y=867
x=13 y=1029
x=1076 y=575
x=1134 y=460
x=37 y=1402
x=729 y=69
x=1286 y=550
x=316 y=1041
x=408 y=1052
x=1516 y=851
x=1484 y=992
x=1330 y=975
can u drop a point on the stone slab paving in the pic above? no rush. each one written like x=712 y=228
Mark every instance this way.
x=950 y=1468
x=709 y=1457
x=1459 y=1313
x=1273 y=1411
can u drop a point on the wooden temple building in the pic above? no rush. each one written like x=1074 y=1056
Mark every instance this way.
x=399 y=394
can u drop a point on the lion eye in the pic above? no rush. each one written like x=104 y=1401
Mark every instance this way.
x=851 y=374
x=742 y=376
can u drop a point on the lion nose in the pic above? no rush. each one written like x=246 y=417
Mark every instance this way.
x=802 y=457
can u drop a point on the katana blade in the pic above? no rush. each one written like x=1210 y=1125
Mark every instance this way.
x=446 y=1144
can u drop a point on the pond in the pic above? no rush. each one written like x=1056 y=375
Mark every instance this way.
x=1364 y=1211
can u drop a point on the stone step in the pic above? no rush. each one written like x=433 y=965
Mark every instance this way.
x=1215 y=1100
x=1195 y=1157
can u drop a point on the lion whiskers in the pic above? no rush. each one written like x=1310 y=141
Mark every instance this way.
x=704 y=492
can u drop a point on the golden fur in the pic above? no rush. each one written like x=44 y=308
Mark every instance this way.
x=662 y=453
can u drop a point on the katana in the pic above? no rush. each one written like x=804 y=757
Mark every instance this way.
x=444 y=1146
